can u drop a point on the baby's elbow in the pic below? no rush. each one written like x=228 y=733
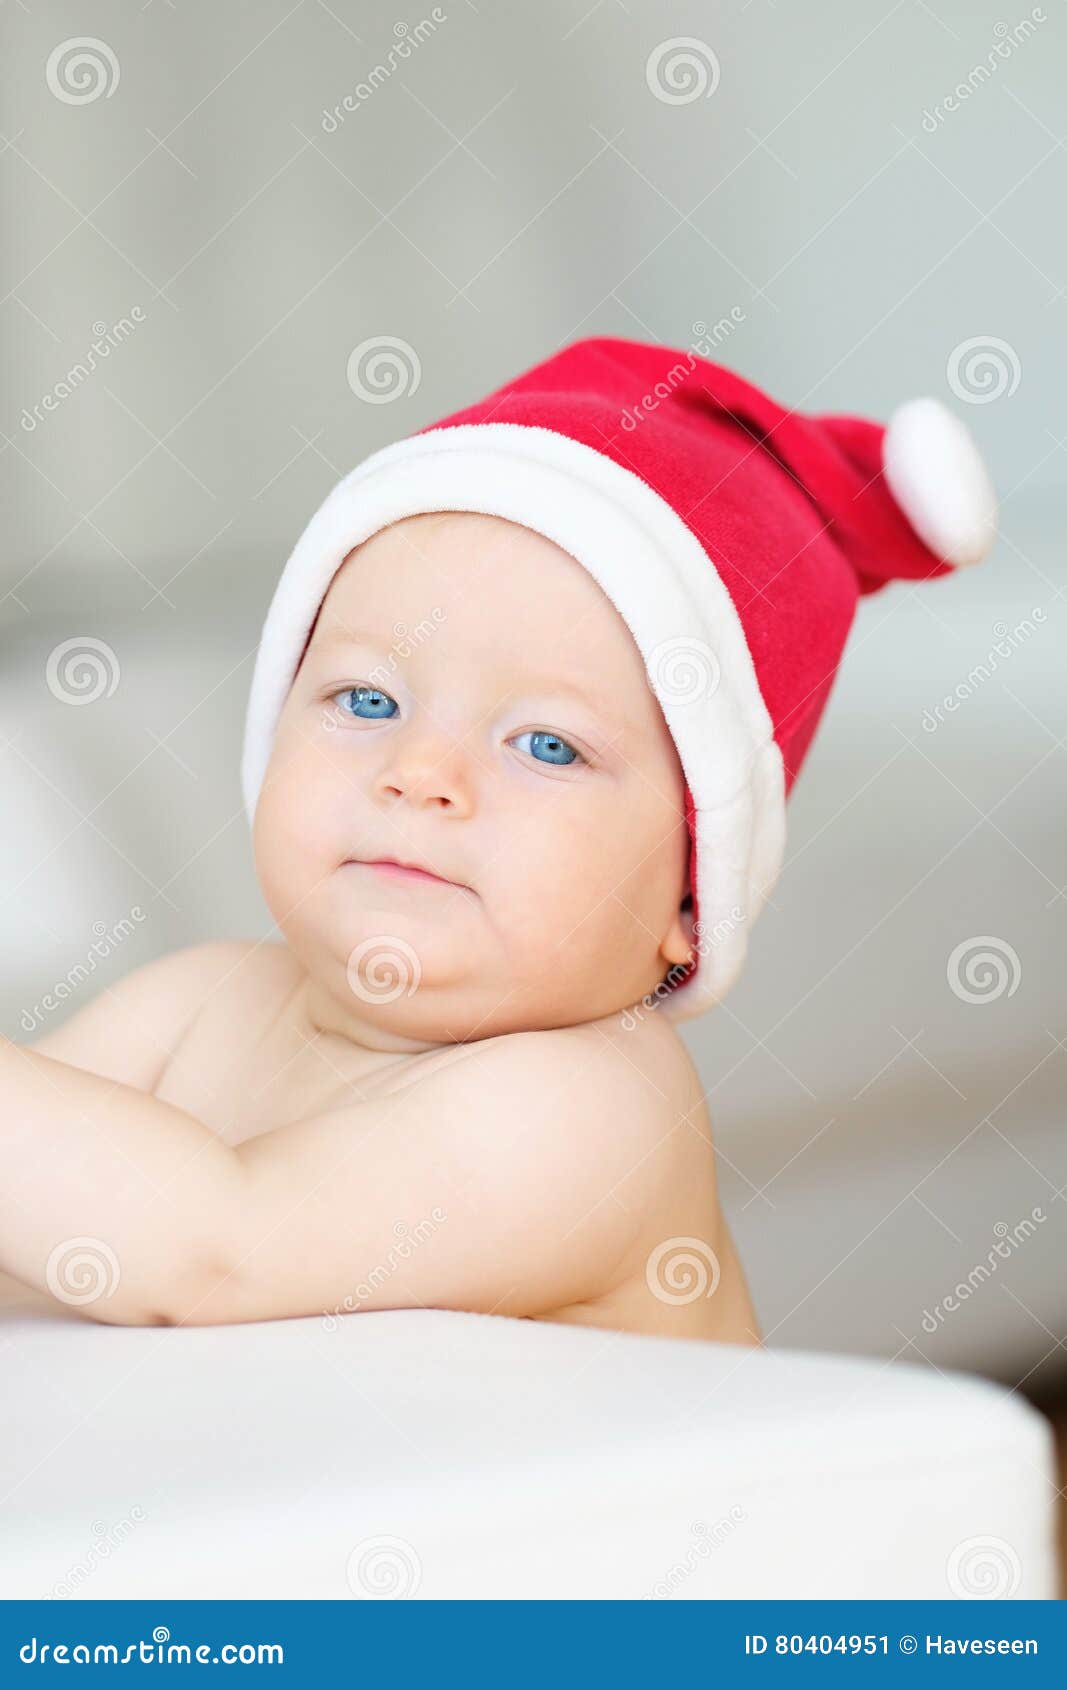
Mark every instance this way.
x=126 y=1314
x=205 y=1292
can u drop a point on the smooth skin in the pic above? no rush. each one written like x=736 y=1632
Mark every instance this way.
x=252 y=1130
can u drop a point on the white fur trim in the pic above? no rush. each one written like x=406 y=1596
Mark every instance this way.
x=658 y=576
x=936 y=474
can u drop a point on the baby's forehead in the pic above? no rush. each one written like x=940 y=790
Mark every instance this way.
x=507 y=605
x=470 y=540
x=483 y=576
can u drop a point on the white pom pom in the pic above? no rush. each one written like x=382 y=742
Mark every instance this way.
x=936 y=475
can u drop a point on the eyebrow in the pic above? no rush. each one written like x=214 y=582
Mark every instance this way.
x=602 y=706
x=346 y=636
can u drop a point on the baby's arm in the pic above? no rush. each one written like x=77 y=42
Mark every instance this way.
x=103 y=1171
x=514 y=1179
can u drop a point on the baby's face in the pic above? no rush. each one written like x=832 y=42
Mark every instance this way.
x=471 y=701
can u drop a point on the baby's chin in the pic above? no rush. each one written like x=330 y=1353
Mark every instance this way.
x=425 y=963
x=390 y=990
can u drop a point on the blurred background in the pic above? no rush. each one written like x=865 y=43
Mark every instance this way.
x=246 y=244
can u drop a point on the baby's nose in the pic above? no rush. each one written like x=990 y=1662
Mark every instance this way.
x=430 y=769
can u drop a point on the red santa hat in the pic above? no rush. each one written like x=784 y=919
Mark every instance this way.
x=734 y=537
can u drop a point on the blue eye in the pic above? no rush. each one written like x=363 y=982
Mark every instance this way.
x=558 y=750
x=377 y=703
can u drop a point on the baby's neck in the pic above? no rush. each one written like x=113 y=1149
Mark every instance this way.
x=317 y=1017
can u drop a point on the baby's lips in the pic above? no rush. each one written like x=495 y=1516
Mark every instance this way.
x=387 y=863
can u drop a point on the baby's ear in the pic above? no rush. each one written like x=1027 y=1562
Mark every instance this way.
x=677 y=943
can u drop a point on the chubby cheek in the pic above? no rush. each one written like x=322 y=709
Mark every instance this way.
x=593 y=889
x=553 y=886
x=294 y=825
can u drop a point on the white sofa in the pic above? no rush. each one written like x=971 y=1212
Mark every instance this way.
x=441 y=1455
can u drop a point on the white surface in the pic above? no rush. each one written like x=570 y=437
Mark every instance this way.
x=504 y=1458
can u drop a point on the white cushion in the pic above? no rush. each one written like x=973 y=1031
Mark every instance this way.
x=501 y=1458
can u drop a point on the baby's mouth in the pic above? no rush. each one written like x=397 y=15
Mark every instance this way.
x=388 y=866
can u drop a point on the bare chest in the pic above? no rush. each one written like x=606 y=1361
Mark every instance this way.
x=243 y=1072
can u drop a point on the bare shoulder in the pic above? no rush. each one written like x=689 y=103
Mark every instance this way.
x=646 y=1073
x=624 y=1091
x=130 y=1030
x=619 y=1120
x=615 y=1114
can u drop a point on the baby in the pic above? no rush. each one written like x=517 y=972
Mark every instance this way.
x=518 y=721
